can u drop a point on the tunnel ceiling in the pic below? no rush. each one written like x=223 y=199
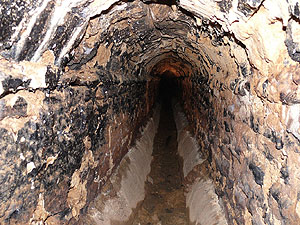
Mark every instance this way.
x=172 y=65
x=138 y=35
x=128 y=40
x=72 y=32
x=130 y=47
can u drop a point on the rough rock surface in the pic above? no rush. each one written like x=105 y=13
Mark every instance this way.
x=199 y=188
x=79 y=78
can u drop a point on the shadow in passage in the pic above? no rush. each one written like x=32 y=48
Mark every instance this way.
x=168 y=89
x=164 y=202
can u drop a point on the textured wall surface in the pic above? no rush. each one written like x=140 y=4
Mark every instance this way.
x=204 y=205
x=125 y=189
x=58 y=142
x=79 y=78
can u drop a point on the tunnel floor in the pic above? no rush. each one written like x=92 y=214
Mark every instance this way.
x=164 y=202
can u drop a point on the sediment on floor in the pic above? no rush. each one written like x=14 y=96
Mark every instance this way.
x=165 y=201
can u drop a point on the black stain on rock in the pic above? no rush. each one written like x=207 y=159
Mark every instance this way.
x=267 y=153
x=292 y=47
x=11 y=83
x=275 y=193
x=8 y=21
x=52 y=77
x=225 y=5
x=248 y=7
x=293 y=51
x=257 y=173
x=244 y=70
x=285 y=174
x=37 y=34
x=277 y=139
x=63 y=33
x=247 y=86
x=227 y=129
x=241 y=89
x=253 y=124
x=296 y=11
x=20 y=107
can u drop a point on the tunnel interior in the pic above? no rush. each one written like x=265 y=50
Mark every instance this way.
x=85 y=86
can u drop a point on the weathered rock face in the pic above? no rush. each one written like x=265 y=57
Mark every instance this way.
x=47 y=135
x=79 y=78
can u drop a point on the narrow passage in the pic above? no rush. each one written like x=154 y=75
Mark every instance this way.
x=164 y=203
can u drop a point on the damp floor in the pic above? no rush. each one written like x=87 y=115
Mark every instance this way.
x=164 y=203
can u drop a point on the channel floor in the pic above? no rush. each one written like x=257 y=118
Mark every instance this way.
x=164 y=203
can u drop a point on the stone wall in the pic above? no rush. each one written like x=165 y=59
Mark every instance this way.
x=244 y=111
x=250 y=142
x=60 y=144
x=204 y=205
x=75 y=76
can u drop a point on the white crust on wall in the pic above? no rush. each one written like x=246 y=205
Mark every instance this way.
x=201 y=199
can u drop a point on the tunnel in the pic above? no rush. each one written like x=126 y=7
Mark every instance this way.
x=145 y=112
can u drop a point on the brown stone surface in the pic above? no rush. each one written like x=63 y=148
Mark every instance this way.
x=79 y=78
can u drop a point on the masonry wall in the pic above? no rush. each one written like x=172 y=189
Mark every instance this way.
x=59 y=145
x=251 y=154
x=78 y=79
